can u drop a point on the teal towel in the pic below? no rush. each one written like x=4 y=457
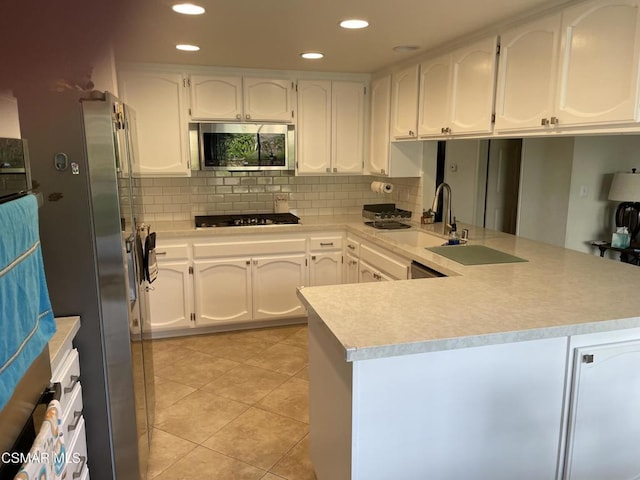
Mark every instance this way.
x=26 y=318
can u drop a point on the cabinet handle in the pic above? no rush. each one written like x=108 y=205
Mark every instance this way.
x=247 y=116
x=78 y=472
x=74 y=379
x=588 y=358
x=329 y=244
x=447 y=130
x=77 y=415
x=328 y=170
x=335 y=170
x=382 y=171
x=442 y=130
x=238 y=117
x=351 y=247
x=248 y=262
x=255 y=262
x=313 y=257
x=377 y=276
x=544 y=122
x=554 y=121
x=160 y=253
x=411 y=133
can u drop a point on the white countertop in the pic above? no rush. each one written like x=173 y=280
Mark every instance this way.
x=557 y=292
x=66 y=329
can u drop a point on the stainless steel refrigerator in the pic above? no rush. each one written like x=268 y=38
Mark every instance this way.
x=93 y=239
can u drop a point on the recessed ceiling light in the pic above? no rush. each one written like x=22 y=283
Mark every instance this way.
x=406 y=48
x=354 y=23
x=312 y=55
x=188 y=9
x=188 y=48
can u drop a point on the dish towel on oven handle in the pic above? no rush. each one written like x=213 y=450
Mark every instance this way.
x=47 y=458
x=26 y=318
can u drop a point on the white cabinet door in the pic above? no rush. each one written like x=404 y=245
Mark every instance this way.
x=404 y=103
x=527 y=75
x=435 y=83
x=378 y=160
x=350 y=268
x=347 y=127
x=325 y=269
x=599 y=65
x=268 y=100
x=170 y=298
x=473 y=73
x=215 y=98
x=604 y=425
x=160 y=105
x=222 y=290
x=314 y=126
x=367 y=273
x=275 y=280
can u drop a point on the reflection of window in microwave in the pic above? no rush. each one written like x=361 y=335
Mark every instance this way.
x=244 y=149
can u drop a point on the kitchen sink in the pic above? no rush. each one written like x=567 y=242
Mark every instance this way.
x=414 y=238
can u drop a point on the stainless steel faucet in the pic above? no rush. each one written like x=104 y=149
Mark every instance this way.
x=446 y=209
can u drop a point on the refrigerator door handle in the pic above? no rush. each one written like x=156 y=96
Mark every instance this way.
x=131 y=269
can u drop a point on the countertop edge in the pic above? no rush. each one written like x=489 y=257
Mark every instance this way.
x=456 y=343
x=66 y=330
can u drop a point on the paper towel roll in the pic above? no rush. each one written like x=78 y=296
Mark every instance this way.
x=381 y=187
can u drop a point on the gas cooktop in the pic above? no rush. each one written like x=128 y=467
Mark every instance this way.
x=245 y=220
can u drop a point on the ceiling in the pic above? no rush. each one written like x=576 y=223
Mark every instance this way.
x=272 y=33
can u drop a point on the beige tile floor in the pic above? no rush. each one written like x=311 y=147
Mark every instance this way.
x=232 y=406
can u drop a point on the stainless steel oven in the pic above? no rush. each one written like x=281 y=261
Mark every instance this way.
x=243 y=146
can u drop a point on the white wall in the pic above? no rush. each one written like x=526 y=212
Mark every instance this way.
x=462 y=172
x=545 y=182
x=9 y=120
x=103 y=74
x=595 y=160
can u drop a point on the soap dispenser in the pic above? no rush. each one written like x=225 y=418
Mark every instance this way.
x=454 y=238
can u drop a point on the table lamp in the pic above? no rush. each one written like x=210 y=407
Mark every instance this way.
x=625 y=188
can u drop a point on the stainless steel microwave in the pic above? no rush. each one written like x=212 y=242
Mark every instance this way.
x=242 y=146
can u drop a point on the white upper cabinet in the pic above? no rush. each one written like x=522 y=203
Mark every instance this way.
x=598 y=80
x=527 y=75
x=218 y=98
x=160 y=106
x=268 y=100
x=404 y=103
x=330 y=126
x=457 y=91
x=473 y=86
x=378 y=159
x=435 y=96
x=241 y=99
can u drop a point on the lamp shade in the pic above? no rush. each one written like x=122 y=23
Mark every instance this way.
x=625 y=187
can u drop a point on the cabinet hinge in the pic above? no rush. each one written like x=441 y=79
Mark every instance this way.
x=306 y=262
x=498 y=49
x=190 y=270
x=588 y=358
x=292 y=115
x=365 y=90
x=296 y=88
x=189 y=112
x=193 y=317
x=493 y=118
x=296 y=164
x=292 y=85
x=342 y=260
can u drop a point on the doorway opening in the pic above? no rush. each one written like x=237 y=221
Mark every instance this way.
x=502 y=185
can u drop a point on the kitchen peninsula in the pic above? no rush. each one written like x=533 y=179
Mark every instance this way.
x=521 y=370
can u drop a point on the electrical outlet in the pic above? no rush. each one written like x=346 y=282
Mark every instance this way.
x=584 y=191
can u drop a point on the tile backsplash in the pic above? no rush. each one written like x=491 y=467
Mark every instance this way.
x=220 y=192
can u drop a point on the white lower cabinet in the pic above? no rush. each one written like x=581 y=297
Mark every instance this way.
x=604 y=425
x=325 y=260
x=351 y=268
x=222 y=290
x=368 y=273
x=170 y=303
x=275 y=280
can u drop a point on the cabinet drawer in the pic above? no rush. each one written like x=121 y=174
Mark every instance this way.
x=77 y=454
x=325 y=243
x=395 y=266
x=68 y=375
x=207 y=250
x=73 y=414
x=172 y=252
x=352 y=246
